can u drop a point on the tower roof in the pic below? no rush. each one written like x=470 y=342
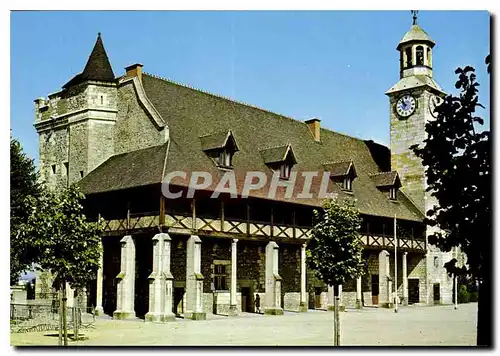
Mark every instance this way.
x=415 y=33
x=97 y=67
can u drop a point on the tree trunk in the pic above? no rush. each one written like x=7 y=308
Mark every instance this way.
x=336 y=318
x=64 y=313
x=484 y=314
x=60 y=297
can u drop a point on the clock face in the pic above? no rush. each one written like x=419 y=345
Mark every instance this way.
x=406 y=105
x=434 y=102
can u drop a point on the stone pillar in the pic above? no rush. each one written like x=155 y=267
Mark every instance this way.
x=273 y=281
x=359 y=302
x=125 y=293
x=303 y=290
x=70 y=296
x=383 y=278
x=98 y=300
x=160 y=282
x=194 y=280
x=330 y=299
x=405 y=279
x=233 y=304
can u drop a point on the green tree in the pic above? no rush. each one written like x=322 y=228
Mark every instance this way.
x=456 y=156
x=335 y=249
x=68 y=244
x=23 y=183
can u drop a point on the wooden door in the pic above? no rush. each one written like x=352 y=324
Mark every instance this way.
x=375 y=289
x=413 y=291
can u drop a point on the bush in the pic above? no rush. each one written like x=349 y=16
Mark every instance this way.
x=463 y=294
x=473 y=297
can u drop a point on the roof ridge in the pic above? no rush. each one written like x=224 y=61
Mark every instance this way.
x=277 y=146
x=216 y=132
x=246 y=104
x=221 y=97
x=374 y=174
x=334 y=162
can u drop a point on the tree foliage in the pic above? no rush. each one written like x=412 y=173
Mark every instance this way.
x=23 y=184
x=458 y=166
x=69 y=245
x=335 y=249
x=457 y=159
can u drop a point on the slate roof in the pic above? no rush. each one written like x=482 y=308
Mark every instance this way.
x=415 y=33
x=217 y=140
x=414 y=81
x=339 y=169
x=128 y=170
x=97 y=68
x=277 y=154
x=193 y=114
x=386 y=179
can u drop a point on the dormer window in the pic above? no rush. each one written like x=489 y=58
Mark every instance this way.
x=387 y=182
x=393 y=191
x=347 y=183
x=225 y=158
x=285 y=170
x=342 y=172
x=221 y=147
x=280 y=159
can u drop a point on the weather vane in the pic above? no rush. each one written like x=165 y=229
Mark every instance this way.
x=414 y=12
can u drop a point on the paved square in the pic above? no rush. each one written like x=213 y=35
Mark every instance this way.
x=422 y=325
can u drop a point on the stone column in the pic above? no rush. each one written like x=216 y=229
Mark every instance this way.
x=160 y=290
x=98 y=300
x=303 y=290
x=233 y=304
x=383 y=278
x=359 y=302
x=330 y=299
x=70 y=296
x=405 y=279
x=341 y=304
x=273 y=281
x=194 y=280
x=126 y=281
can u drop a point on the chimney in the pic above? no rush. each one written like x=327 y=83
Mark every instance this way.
x=314 y=127
x=134 y=70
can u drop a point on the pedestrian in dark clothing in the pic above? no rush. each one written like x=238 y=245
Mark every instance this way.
x=257 y=304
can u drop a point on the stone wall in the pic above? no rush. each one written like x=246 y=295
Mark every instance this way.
x=53 y=153
x=134 y=128
x=289 y=270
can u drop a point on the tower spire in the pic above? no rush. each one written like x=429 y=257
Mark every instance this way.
x=414 y=12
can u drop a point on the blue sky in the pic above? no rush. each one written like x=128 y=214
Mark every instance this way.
x=334 y=65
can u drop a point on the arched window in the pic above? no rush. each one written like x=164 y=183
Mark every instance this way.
x=420 y=56
x=429 y=57
x=409 y=62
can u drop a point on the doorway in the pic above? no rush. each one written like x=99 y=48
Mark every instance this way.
x=437 y=293
x=317 y=298
x=178 y=307
x=247 y=300
x=375 y=289
x=413 y=291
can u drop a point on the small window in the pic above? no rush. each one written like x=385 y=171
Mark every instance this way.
x=220 y=277
x=393 y=193
x=66 y=168
x=285 y=170
x=225 y=158
x=409 y=61
x=102 y=100
x=53 y=169
x=81 y=174
x=347 y=183
x=420 y=56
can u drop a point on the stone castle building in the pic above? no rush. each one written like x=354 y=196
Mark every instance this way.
x=118 y=137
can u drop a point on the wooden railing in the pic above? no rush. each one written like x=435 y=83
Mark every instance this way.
x=186 y=224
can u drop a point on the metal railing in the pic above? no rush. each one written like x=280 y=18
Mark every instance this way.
x=42 y=317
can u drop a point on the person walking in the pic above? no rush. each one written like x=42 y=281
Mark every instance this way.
x=257 y=304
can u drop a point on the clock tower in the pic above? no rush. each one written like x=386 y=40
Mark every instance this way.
x=412 y=101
